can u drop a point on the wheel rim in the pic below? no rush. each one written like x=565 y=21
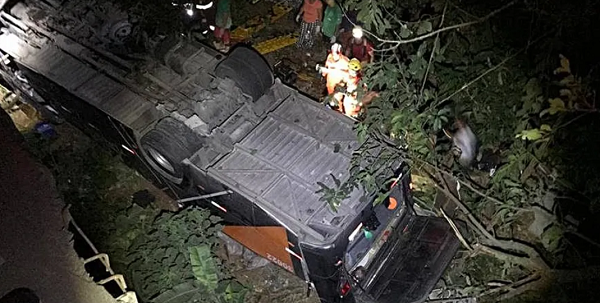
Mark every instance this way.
x=161 y=160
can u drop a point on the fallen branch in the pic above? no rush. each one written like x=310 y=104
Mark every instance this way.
x=514 y=252
x=467 y=184
x=469 y=215
x=512 y=286
x=456 y=230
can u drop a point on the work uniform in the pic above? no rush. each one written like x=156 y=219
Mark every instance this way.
x=352 y=105
x=337 y=71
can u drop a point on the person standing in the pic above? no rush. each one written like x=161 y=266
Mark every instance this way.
x=359 y=47
x=335 y=72
x=312 y=14
x=222 y=25
x=332 y=19
x=351 y=104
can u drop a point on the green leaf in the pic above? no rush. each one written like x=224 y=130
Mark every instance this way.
x=551 y=238
x=545 y=128
x=530 y=134
x=556 y=105
x=204 y=266
x=424 y=27
x=405 y=32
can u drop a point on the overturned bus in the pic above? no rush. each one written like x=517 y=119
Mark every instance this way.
x=205 y=123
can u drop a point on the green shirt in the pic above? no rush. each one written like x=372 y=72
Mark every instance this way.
x=223 y=16
x=331 y=19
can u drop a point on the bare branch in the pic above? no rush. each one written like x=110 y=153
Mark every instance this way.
x=493 y=68
x=456 y=230
x=468 y=213
x=437 y=40
x=466 y=85
x=520 y=284
x=525 y=261
x=436 y=32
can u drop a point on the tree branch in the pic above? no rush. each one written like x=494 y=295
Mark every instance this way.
x=466 y=85
x=468 y=213
x=520 y=284
x=493 y=68
x=436 y=32
x=437 y=39
x=508 y=257
x=457 y=232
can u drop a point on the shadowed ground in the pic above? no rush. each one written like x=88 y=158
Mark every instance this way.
x=35 y=250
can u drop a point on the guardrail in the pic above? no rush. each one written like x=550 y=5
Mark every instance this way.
x=127 y=296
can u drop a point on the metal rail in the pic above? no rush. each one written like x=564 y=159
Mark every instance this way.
x=128 y=296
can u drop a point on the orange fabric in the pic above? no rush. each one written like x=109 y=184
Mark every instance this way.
x=311 y=11
x=338 y=71
x=351 y=104
x=267 y=241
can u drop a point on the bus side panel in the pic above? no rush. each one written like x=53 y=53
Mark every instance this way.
x=261 y=218
x=92 y=121
x=250 y=225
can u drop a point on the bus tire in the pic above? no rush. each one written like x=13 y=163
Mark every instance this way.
x=248 y=70
x=167 y=145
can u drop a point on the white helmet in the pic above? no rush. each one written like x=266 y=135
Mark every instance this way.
x=357 y=32
x=336 y=48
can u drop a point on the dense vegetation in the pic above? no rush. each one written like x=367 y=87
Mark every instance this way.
x=504 y=69
x=156 y=250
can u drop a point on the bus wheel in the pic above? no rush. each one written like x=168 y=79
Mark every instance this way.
x=248 y=70
x=167 y=145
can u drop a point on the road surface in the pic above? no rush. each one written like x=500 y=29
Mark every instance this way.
x=35 y=250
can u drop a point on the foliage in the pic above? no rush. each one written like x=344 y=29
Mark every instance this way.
x=173 y=238
x=204 y=266
x=428 y=76
x=155 y=250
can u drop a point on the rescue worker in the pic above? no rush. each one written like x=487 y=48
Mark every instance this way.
x=335 y=71
x=360 y=47
x=464 y=143
x=351 y=105
x=356 y=96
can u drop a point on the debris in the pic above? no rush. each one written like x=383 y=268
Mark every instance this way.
x=274 y=44
x=257 y=23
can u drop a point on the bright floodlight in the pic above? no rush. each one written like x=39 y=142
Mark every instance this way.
x=203 y=7
x=357 y=32
x=190 y=12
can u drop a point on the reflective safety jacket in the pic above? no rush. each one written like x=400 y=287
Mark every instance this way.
x=336 y=72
